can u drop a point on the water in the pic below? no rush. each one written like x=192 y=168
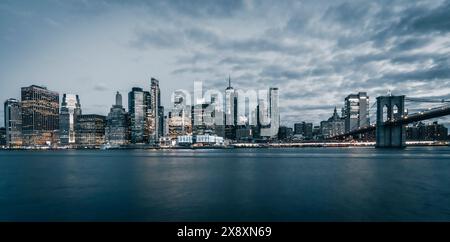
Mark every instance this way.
x=303 y=184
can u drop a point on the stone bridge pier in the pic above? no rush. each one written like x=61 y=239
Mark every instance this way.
x=389 y=109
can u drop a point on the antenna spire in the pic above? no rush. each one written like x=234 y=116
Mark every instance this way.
x=229 y=81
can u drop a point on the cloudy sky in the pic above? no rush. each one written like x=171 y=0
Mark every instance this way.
x=316 y=52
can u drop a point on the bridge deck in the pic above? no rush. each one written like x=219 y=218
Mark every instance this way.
x=416 y=117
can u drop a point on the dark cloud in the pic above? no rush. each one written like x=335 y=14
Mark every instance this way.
x=347 y=13
x=315 y=51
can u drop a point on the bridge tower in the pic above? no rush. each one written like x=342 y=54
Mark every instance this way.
x=389 y=109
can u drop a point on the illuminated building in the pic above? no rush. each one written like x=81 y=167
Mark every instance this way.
x=40 y=116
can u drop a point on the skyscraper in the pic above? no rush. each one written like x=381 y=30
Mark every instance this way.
x=271 y=130
x=13 y=122
x=70 y=110
x=117 y=124
x=137 y=106
x=40 y=115
x=230 y=111
x=156 y=112
x=356 y=110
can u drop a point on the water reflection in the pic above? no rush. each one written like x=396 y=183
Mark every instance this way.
x=306 y=184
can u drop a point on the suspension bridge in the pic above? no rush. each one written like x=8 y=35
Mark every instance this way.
x=392 y=118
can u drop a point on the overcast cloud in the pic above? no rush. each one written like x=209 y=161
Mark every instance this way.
x=316 y=52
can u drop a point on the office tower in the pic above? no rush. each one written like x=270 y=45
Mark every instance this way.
x=179 y=119
x=70 y=110
x=304 y=129
x=431 y=132
x=285 y=133
x=308 y=130
x=298 y=128
x=117 y=124
x=90 y=130
x=13 y=122
x=231 y=103
x=166 y=126
x=333 y=126
x=40 y=115
x=244 y=133
x=2 y=136
x=179 y=124
x=161 y=121
x=217 y=115
x=155 y=111
x=356 y=111
x=270 y=131
x=138 y=101
x=201 y=119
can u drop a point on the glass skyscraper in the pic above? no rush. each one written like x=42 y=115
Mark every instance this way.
x=138 y=101
x=156 y=112
x=40 y=116
x=13 y=122
x=271 y=130
x=70 y=110
x=356 y=111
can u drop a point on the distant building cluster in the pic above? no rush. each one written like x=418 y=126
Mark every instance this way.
x=39 y=119
x=427 y=132
x=355 y=115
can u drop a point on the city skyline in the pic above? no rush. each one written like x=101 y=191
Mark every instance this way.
x=309 y=50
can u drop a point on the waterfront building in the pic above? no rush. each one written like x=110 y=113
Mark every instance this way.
x=13 y=122
x=206 y=140
x=2 y=137
x=161 y=121
x=356 y=111
x=166 y=126
x=333 y=126
x=138 y=102
x=244 y=133
x=316 y=132
x=185 y=140
x=304 y=129
x=285 y=133
x=179 y=124
x=117 y=124
x=201 y=119
x=179 y=119
x=155 y=111
x=90 y=131
x=166 y=142
x=70 y=110
x=40 y=116
x=270 y=131
x=427 y=132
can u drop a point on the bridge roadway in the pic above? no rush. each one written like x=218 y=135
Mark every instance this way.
x=416 y=117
